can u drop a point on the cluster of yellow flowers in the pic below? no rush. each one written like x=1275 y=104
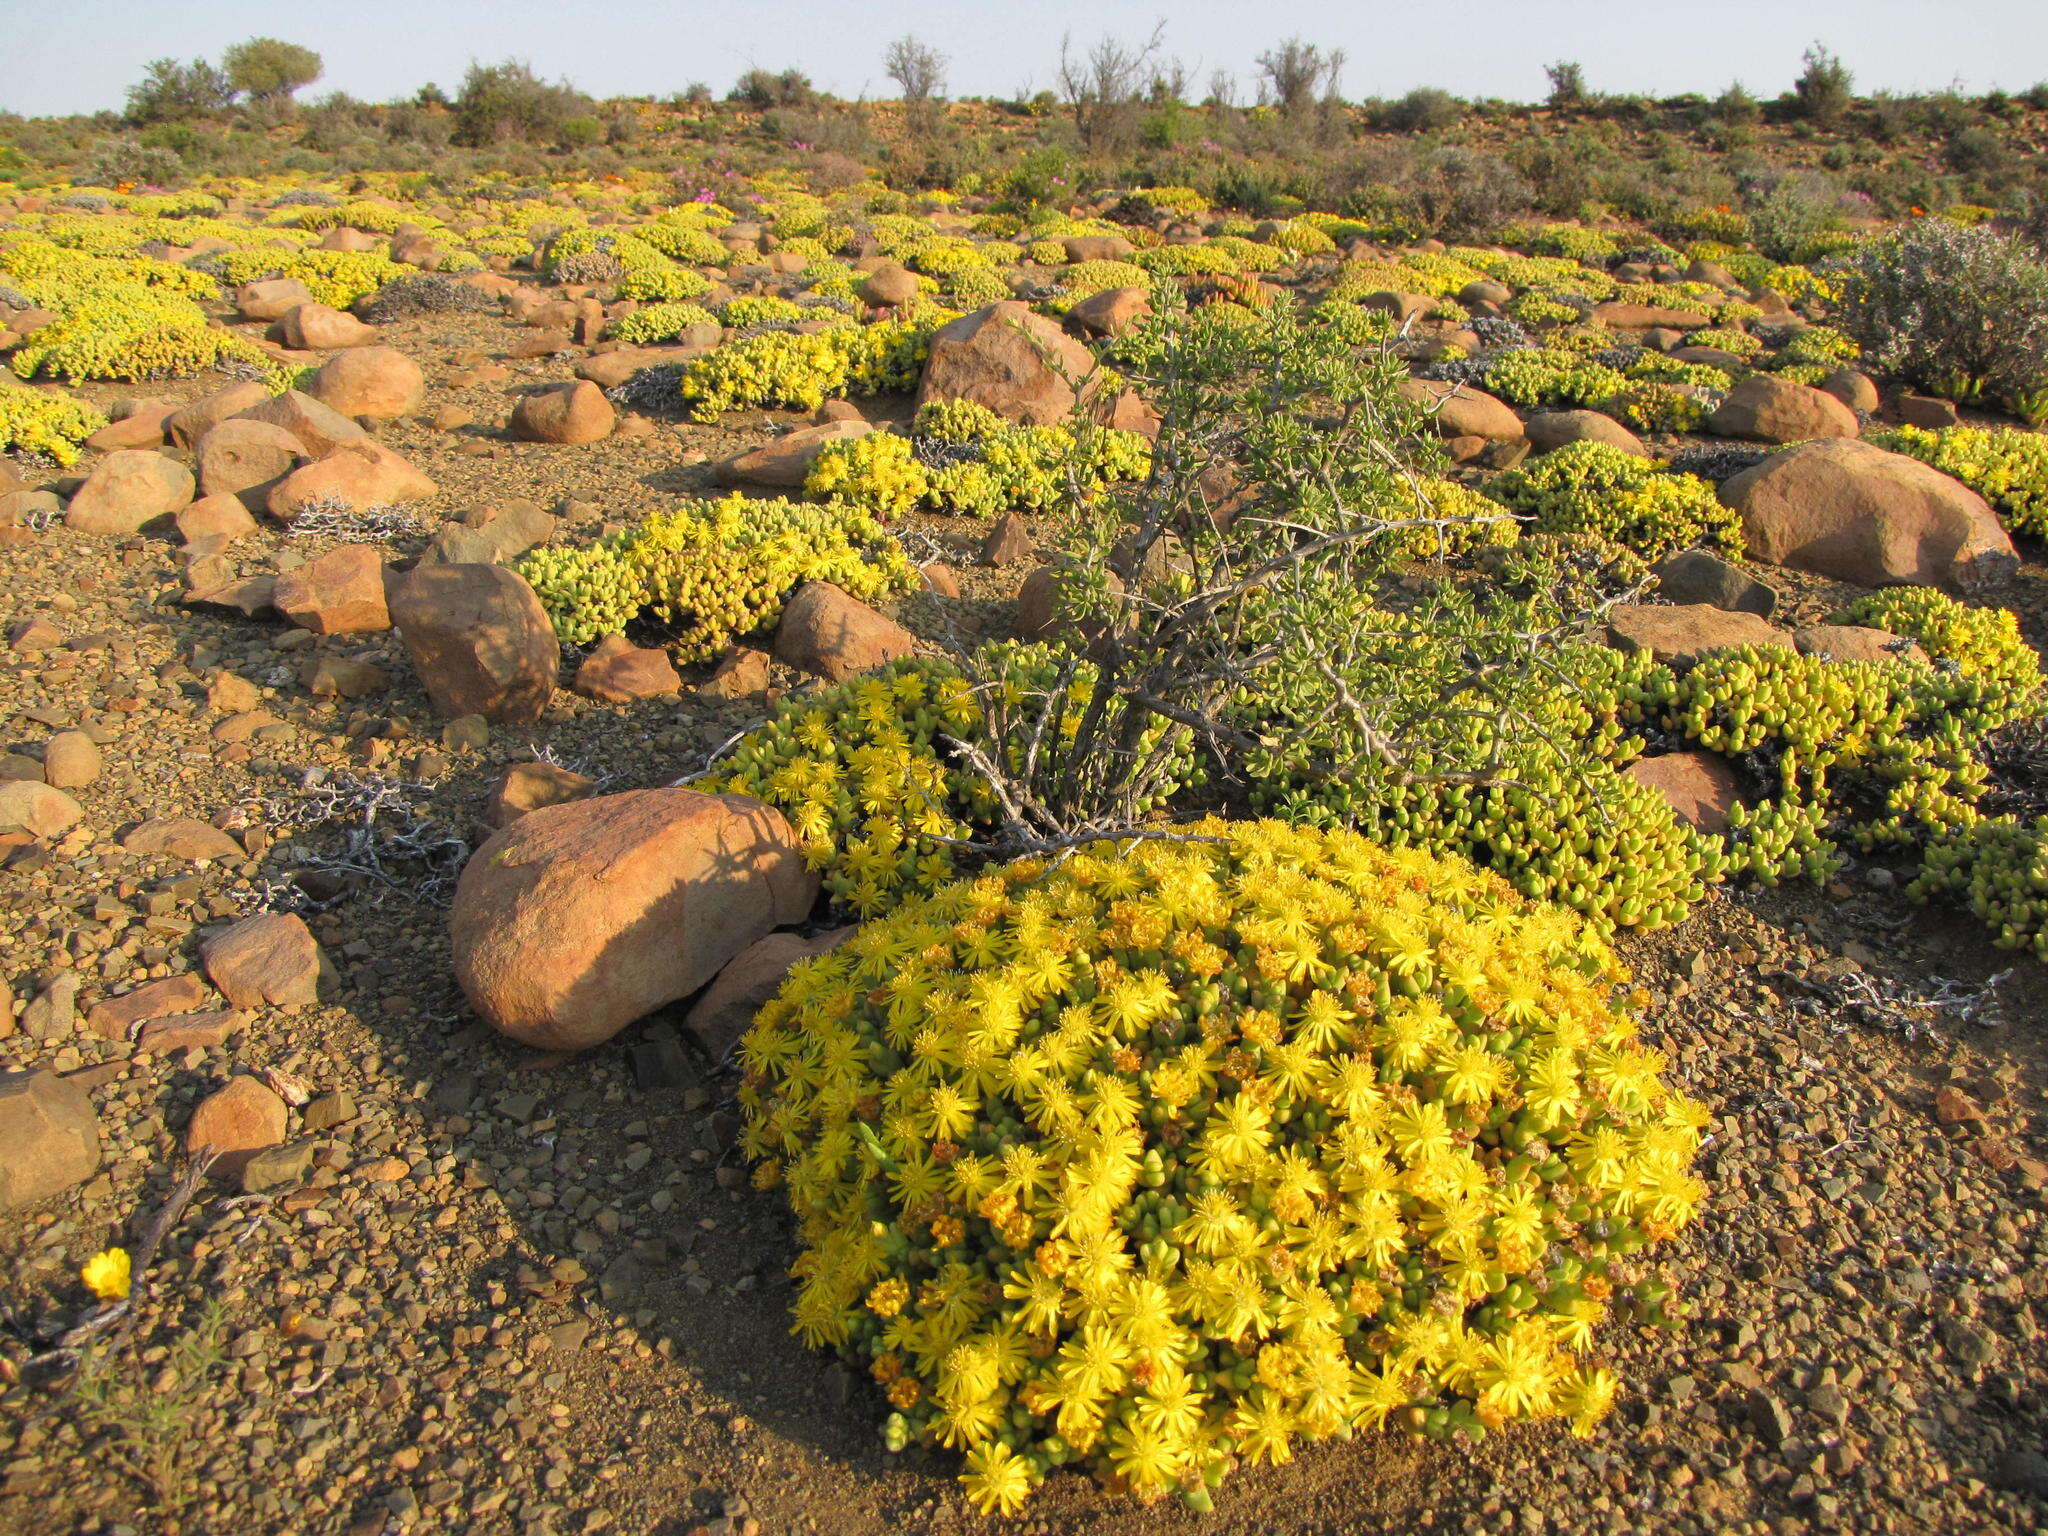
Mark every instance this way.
x=783 y=368
x=713 y=573
x=54 y=425
x=1169 y=1155
x=970 y=461
x=865 y=774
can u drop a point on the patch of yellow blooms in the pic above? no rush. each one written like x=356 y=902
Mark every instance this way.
x=1171 y=1155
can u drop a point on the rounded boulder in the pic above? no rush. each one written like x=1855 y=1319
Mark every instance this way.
x=577 y=919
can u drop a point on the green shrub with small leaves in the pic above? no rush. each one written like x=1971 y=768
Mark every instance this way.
x=1985 y=671
x=1655 y=367
x=1187 y=261
x=1540 y=309
x=1649 y=405
x=1726 y=339
x=762 y=309
x=783 y=368
x=1998 y=868
x=659 y=322
x=872 y=786
x=1529 y=786
x=1574 y=242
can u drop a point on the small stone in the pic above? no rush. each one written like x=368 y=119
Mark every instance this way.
x=337 y=678
x=740 y=674
x=181 y=837
x=49 y=1137
x=620 y=672
x=276 y=1168
x=466 y=733
x=27 y=805
x=184 y=1031
x=236 y=1121
x=1009 y=542
x=324 y=1113
x=52 y=1014
x=270 y=958
x=526 y=787
x=71 y=760
x=115 y=1018
x=1770 y=1418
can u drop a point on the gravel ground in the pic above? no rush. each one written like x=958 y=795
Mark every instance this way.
x=524 y=1294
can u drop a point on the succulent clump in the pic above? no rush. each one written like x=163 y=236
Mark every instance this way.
x=712 y=573
x=1589 y=487
x=868 y=774
x=53 y=425
x=963 y=458
x=1170 y=1155
x=785 y=368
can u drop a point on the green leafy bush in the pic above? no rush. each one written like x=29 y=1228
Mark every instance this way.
x=1549 y=376
x=1949 y=307
x=659 y=322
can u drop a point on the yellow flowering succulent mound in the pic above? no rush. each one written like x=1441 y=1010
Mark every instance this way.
x=1171 y=1154
x=784 y=368
x=128 y=331
x=963 y=458
x=867 y=775
x=713 y=572
x=53 y=425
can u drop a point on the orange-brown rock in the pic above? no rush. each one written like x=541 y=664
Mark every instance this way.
x=577 y=919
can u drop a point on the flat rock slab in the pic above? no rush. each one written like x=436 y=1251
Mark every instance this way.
x=1683 y=633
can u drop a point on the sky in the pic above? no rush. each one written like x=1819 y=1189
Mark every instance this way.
x=81 y=55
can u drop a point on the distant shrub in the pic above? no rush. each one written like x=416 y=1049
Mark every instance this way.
x=762 y=88
x=425 y=293
x=1425 y=110
x=508 y=102
x=1459 y=193
x=123 y=161
x=1736 y=106
x=269 y=68
x=1824 y=89
x=1792 y=214
x=169 y=92
x=1955 y=309
x=1567 y=83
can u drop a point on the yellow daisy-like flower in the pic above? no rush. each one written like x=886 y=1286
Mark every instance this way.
x=997 y=1479
x=108 y=1274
